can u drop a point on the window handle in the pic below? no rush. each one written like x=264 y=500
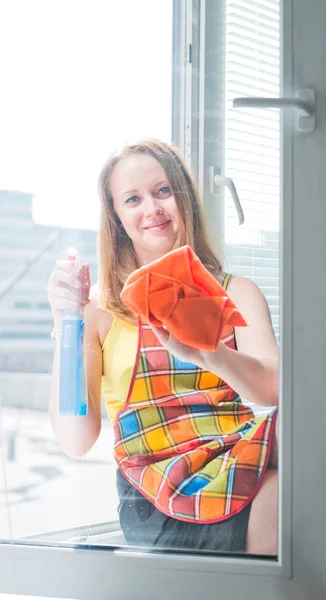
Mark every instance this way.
x=304 y=103
x=220 y=180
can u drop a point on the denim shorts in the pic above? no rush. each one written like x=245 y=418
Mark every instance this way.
x=144 y=525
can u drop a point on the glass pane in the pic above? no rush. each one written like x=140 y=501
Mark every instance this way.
x=98 y=74
x=77 y=84
x=252 y=145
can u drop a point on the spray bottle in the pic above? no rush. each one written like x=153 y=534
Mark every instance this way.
x=73 y=381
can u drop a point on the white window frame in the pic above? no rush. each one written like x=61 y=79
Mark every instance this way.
x=299 y=573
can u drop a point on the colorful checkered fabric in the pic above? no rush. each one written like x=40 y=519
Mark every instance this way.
x=186 y=441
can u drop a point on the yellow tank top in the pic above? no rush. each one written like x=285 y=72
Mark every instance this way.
x=119 y=353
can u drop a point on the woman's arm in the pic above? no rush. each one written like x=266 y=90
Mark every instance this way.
x=252 y=370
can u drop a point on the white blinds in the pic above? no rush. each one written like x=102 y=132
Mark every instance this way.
x=252 y=145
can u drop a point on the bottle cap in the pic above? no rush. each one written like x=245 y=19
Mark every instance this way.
x=72 y=253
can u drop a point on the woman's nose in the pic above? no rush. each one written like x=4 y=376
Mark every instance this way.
x=152 y=206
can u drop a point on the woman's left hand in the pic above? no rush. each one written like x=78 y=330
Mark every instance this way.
x=182 y=351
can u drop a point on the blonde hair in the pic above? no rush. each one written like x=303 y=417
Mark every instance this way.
x=116 y=254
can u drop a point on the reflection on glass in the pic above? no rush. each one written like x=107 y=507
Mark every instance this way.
x=188 y=457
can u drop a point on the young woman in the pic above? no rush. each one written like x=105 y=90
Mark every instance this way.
x=198 y=474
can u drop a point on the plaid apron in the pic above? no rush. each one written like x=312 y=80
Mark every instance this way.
x=185 y=440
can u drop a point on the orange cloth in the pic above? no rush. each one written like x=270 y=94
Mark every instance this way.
x=179 y=293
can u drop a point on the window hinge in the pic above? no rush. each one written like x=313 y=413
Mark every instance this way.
x=188 y=49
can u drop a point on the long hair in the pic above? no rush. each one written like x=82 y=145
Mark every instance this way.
x=116 y=254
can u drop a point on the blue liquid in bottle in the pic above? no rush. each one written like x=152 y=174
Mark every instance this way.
x=73 y=380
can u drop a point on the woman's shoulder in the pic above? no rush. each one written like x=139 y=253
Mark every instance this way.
x=240 y=289
x=239 y=285
x=248 y=298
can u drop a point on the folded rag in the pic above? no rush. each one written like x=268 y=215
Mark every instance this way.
x=179 y=293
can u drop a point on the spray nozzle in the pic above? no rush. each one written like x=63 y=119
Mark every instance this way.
x=72 y=255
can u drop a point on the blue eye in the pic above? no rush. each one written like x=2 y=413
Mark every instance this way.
x=131 y=200
x=164 y=190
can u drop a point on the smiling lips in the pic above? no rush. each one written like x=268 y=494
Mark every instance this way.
x=158 y=226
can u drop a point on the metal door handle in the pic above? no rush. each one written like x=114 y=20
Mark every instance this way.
x=220 y=180
x=304 y=102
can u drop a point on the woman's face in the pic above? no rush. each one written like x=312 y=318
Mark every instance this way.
x=145 y=205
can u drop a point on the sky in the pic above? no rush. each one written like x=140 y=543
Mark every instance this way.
x=78 y=77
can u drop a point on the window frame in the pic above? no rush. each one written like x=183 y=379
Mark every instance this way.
x=299 y=571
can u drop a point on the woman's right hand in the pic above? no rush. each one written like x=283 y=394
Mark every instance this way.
x=68 y=288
